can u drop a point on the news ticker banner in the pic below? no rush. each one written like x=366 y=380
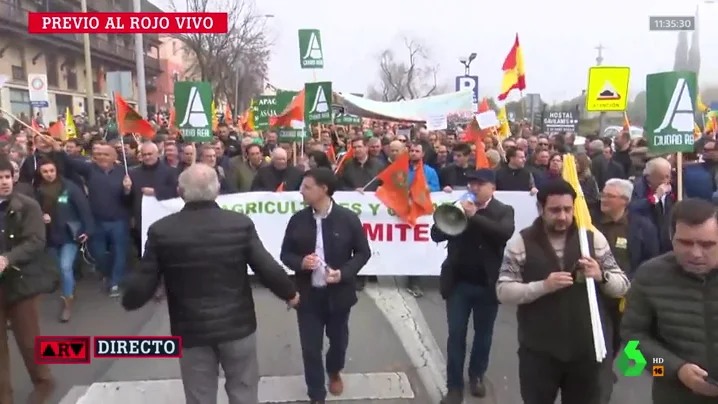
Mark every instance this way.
x=72 y=350
x=127 y=23
x=397 y=248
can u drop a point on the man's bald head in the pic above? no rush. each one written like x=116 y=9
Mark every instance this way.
x=150 y=153
x=279 y=158
x=396 y=147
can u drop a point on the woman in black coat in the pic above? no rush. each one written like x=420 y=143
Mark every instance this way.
x=68 y=221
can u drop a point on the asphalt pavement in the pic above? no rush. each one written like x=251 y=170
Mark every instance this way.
x=94 y=314
x=395 y=356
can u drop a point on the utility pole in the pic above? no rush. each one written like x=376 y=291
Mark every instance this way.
x=602 y=116
x=140 y=66
x=89 y=90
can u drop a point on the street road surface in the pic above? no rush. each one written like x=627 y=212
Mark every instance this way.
x=396 y=353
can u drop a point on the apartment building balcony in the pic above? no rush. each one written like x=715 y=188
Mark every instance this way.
x=13 y=20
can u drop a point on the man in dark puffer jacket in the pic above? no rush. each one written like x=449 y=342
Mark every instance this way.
x=672 y=308
x=202 y=252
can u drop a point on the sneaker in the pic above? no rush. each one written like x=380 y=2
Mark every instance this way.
x=477 y=388
x=115 y=291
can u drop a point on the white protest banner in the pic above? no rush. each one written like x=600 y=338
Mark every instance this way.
x=397 y=248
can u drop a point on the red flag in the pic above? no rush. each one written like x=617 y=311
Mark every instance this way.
x=129 y=121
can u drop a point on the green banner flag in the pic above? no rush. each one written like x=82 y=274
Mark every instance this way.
x=670 y=111
x=193 y=106
x=311 y=55
x=346 y=119
x=318 y=102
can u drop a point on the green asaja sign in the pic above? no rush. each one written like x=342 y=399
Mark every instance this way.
x=311 y=54
x=670 y=111
x=193 y=106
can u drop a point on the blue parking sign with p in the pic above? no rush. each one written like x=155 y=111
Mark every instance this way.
x=468 y=83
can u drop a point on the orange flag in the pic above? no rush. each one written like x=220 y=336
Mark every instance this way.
x=280 y=188
x=57 y=130
x=714 y=121
x=476 y=135
x=394 y=192
x=293 y=112
x=173 y=118
x=129 y=121
x=331 y=154
x=420 y=194
x=346 y=157
x=484 y=106
x=227 y=114
x=626 y=122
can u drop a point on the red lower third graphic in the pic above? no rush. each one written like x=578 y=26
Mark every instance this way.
x=62 y=350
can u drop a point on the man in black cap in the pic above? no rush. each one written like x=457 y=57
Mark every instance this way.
x=468 y=281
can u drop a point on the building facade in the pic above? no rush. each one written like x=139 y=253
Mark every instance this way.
x=175 y=63
x=61 y=58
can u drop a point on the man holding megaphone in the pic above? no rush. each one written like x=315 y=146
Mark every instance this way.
x=477 y=228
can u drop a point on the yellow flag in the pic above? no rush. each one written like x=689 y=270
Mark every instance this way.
x=703 y=108
x=215 y=120
x=70 y=128
x=504 y=128
x=580 y=207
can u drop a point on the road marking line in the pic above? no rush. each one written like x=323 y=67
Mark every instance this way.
x=272 y=389
x=405 y=316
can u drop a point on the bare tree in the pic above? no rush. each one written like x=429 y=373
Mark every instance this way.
x=404 y=78
x=223 y=59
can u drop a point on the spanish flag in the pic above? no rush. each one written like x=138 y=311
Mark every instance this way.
x=514 y=74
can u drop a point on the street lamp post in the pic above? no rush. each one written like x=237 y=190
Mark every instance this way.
x=467 y=63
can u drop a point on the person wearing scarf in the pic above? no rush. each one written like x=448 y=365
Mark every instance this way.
x=68 y=222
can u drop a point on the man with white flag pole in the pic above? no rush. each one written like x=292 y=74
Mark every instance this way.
x=546 y=273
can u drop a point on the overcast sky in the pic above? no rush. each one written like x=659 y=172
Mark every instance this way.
x=558 y=38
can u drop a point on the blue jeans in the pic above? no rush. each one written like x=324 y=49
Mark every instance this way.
x=108 y=246
x=65 y=256
x=463 y=300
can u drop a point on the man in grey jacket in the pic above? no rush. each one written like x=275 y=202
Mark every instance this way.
x=672 y=309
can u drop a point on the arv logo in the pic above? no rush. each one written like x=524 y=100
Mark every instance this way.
x=195 y=114
x=679 y=113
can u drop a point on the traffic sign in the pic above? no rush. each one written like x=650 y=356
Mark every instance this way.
x=37 y=88
x=607 y=88
x=469 y=83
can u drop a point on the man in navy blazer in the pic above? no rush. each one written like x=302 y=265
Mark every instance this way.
x=326 y=247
